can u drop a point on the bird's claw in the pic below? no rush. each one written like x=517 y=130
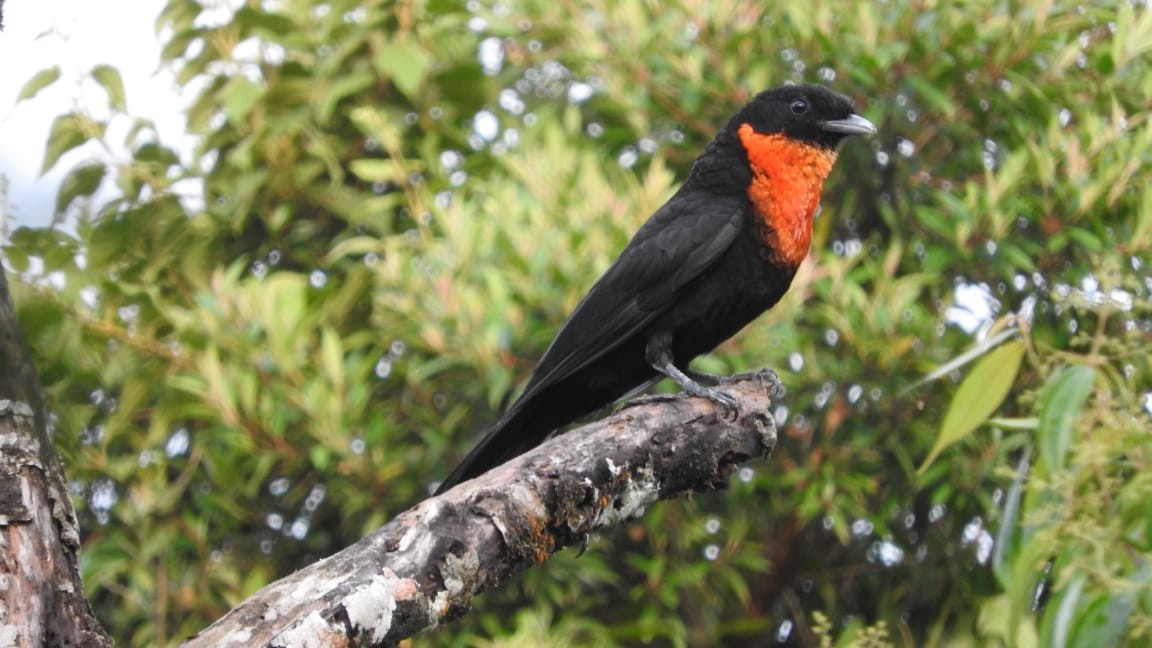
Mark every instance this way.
x=583 y=545
x=767 y=377
x=727 y=401
x=648 y=398
x=770 y=379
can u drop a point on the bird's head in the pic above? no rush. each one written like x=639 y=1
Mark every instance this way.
x=809 y=114
x=787 y=143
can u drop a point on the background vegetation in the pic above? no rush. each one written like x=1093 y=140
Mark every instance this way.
x=261 y=346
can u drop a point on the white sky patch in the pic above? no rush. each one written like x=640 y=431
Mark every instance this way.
x=491 y=55
x=75 y=35
x=975 y=307
x=579 y=92
x=486 y=125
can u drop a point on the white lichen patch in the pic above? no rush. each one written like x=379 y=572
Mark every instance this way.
x=312 y=632
x=455 y=571
x=9 y=634
x=16 y=408
x=413 y=534
x=459 y=569
x=241 y=636
x=308 y=588
x=595 y=491
x=638 y=493
x=439 y=607
x=370 y=608
x=613 y=468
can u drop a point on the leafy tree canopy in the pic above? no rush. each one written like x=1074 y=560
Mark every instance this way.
x=262 y=346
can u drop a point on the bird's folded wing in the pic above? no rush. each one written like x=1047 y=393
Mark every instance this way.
x=677 y=245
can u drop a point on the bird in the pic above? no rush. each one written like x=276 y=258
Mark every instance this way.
x=720 y=252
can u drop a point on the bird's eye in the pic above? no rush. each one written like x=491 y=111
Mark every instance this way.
x=799 y=107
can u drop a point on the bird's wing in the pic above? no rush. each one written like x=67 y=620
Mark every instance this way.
x=677 y=244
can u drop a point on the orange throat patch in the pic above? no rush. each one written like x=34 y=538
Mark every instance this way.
x=787 y=178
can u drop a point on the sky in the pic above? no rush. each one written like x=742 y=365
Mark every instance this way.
x=75 y=35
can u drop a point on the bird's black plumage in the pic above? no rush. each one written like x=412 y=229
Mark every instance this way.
x=692 y=276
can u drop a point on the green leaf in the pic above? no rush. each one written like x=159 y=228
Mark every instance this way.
x=932 y=95
x=38 y=82
x=238 y=98
x=68 y=132
x=1103 y=621
x=1007 y=540
x=963 y=359
x=1025 y=567
x=332 y=357
x=1015 y=423
x=321 y=456
x=109 y=78
x=465 y=86
x=1060 y=406
x=273 y=25
x=378 y=170
x=83 y=180
x=178 y=43
x=330 y=95
x=978 y=397
x=405 y=64
x=106 y=242
x=60 y=257
x=1062 y=612
x=152 y=152
x=16 y=257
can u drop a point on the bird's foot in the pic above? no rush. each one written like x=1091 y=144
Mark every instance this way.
x=767 y=377
x=658 y=353
x=727 y=401
x=691 y=388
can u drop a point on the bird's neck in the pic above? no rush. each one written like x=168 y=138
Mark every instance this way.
x=787 y=178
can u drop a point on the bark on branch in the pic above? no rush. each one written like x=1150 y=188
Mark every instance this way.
x=424 y=567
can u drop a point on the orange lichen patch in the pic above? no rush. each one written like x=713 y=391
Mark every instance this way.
x=541 y=543
x=406 y=588
x=787 y=178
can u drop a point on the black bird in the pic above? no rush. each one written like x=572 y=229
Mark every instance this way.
x=719 y=253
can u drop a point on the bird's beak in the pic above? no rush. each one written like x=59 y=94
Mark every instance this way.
x=851 y=125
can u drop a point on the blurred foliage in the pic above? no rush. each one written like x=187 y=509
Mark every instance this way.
x=267 y=339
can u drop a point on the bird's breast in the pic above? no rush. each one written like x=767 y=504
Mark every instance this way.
x=787 y=178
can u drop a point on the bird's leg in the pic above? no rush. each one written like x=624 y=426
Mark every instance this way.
x=705 y=378
x=658 y=352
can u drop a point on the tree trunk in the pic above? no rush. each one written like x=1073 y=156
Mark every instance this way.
x=41 y=597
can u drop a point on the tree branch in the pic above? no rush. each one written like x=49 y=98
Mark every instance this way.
x=424 y=567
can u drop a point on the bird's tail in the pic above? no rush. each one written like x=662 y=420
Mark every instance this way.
x=514 y=434
x=535 y=416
